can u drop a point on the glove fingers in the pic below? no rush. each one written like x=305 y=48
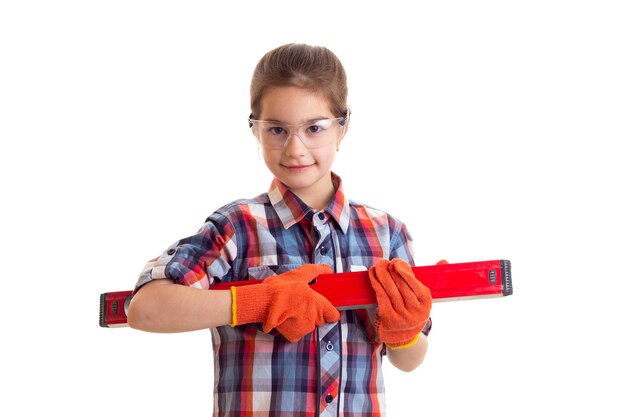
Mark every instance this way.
x=294 y=328
x=306 y=310
x=275 y=318
x=402 y=272
x=410 y=300
x=385 y=287
x=307 y=272
x=327 y=313
x=403 y=302
x=418 y=300
x=376 y=285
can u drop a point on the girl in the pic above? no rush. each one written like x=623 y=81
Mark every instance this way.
x=279 y=347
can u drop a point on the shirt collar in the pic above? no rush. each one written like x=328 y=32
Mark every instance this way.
x=291 y=209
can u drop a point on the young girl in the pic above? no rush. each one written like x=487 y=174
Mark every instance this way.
x=280 y=348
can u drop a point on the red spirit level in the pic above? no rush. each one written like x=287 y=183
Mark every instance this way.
x=351 y=290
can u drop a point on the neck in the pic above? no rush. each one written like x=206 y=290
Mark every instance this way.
x=319 y=195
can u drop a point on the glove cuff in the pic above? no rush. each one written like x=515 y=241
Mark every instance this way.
x=249 y=304
x=233 y=307
x=397 y=346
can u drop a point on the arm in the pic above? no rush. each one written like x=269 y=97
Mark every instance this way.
x=403 y=310
x=162 y=306
x=283 y=302
x=406 y=359
x=409 y=358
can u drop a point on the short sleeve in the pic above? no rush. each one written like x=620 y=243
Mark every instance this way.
x=402 y=247
x=401 y=244
x=196 y=261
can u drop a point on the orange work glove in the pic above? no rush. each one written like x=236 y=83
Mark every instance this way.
x=285 y=302
x=403 y=303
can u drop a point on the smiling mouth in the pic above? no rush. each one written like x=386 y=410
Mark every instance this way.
x=297 y=167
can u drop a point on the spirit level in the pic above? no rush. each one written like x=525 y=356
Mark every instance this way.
x=352 y=290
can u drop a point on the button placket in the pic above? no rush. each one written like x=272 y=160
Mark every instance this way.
x=329 y=335
x=329 y=339
x=323 y=247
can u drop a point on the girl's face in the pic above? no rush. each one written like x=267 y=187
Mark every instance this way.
x=305 y=171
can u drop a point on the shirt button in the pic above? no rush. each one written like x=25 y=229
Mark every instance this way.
x=323 y=250
x=320 y=216
x=329 y=398
x=171 y=251
x=329 y=346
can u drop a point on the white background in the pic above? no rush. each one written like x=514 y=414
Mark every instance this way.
x=494 y=129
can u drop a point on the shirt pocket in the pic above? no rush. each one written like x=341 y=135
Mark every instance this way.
x=265 y=271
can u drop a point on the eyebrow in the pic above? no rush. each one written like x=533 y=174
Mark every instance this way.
x=307 y=121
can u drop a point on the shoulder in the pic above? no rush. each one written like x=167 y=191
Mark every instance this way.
x=237 y=209
x=364 y=216
x=360 y=210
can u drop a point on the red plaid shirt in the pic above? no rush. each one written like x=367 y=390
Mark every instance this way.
x=333 y=371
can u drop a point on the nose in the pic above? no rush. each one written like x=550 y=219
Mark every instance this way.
x=294 y=145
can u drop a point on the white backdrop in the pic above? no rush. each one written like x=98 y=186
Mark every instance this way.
x=493 y=129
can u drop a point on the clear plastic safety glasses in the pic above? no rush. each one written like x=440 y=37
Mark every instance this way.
x=313 y=134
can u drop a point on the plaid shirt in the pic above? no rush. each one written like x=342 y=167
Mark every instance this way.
x=333 y=371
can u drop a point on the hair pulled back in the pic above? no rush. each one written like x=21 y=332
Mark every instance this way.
x=314 y=68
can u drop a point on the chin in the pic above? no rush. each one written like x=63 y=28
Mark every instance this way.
x=296 y=184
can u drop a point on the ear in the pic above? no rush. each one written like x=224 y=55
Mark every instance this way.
x=344 y=133
x=255 y=131
x=253 y=128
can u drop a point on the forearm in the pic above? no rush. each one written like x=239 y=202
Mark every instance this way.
x=409 y=358
x=164 y=307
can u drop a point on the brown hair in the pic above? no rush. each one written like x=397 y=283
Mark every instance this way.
x=314 y=68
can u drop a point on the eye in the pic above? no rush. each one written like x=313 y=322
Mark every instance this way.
x=276 y=130
x=319 y=126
